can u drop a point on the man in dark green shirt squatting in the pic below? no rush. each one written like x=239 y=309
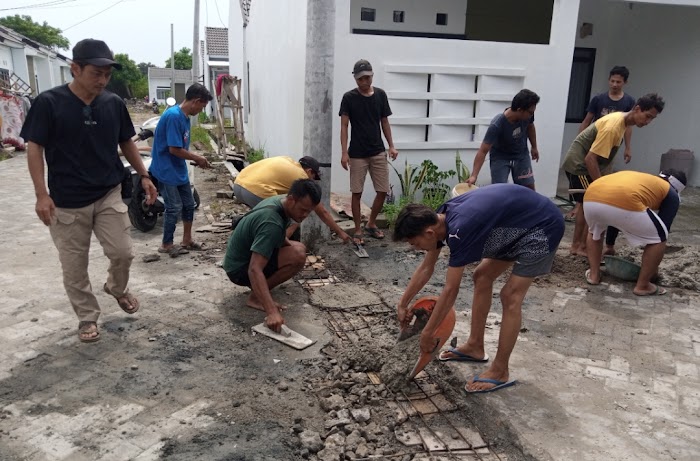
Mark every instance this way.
x=260 y=256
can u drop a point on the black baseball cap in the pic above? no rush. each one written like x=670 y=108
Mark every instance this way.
x=310 y=162
x=362 y=68
x=95 y=52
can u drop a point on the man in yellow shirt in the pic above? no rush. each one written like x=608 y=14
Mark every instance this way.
x=594 y=149
x=627 y=200
x=274 y=176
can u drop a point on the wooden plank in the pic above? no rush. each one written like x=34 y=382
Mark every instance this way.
x=231 y=169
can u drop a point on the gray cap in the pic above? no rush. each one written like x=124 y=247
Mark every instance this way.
x=362 y=68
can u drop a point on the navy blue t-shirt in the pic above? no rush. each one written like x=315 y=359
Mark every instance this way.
x=501 y=221
x=508 y=140
x=601 y=105
x=80 y=143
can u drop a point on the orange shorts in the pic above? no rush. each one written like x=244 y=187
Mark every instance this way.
x=378 y=170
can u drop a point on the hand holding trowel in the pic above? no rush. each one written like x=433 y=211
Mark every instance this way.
x=419 y=314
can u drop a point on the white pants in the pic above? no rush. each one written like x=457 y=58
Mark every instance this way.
x=640 y=228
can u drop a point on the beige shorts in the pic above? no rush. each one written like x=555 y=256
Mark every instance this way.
x=378 y=171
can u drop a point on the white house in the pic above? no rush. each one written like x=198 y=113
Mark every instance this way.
x=28 y=67
x=159 y=79
x=215 y=59
x=449 y=66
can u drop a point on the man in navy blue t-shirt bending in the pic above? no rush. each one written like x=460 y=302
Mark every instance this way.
x=503 y=226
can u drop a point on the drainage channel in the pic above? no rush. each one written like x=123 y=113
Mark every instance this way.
x=428 y=424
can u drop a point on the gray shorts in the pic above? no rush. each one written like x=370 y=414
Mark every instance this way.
x=533 y=267
x=519 y=168
x=246 y=196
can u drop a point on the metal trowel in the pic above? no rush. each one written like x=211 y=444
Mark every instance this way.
x=360 y=250
x=421 y=311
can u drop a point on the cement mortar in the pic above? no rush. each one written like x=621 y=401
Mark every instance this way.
x=399 y=362
x=343 y=295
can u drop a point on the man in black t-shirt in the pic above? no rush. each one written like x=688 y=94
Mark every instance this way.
x=78 y=128
x=366 y=109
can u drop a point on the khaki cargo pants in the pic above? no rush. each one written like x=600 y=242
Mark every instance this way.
x=71 y=232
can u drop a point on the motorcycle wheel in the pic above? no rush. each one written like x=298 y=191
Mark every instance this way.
x=140 y=219
x=195 y=195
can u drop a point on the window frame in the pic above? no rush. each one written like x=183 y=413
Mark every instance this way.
x=581 y=55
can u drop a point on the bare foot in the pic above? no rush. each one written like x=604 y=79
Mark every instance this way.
x=609 y=251
x=473 y=386
x=255 y=304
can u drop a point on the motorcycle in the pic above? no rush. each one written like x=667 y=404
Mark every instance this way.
x=142 y=216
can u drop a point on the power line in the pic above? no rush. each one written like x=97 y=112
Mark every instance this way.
x=219 y=14
x=38 y=5
x=90 y=17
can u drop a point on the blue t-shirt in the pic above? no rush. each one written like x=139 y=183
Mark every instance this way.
x=508 y=140
x=601 y=105
x=501 y=221
x=173 y=130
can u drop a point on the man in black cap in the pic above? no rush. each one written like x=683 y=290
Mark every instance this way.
x=78 y=127
x=274 y=176
x=366 y=109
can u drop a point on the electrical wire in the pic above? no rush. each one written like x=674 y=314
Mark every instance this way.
x=219 y=14
x=90 y=17
x=38 y=5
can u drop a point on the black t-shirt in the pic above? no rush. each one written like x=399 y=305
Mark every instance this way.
x=80 y=143
x=365 y=113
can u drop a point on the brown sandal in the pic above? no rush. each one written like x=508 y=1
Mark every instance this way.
x=127 y=302
x=86 y=330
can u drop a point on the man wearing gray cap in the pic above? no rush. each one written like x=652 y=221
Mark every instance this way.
x=77 y=127
x=366 y=109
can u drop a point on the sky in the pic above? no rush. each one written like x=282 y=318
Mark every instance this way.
x=139 y=28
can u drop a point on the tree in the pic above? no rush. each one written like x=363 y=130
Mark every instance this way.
x=183 y=59
x=143 y=67
x=42 y=33
x=128 y=80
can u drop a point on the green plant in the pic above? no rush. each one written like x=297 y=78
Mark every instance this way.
x=202 y=117
x=435 y=189
x=411 y=179
x=255 y=155
x=391 y=210
x=199 y=134
x=463 y=172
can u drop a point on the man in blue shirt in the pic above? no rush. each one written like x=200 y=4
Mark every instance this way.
x=503 y=226
x=169 y=166
x=506 y=141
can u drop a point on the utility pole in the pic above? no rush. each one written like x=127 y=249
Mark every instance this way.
x=318 y=105
x=172 y=61
x=195 y=54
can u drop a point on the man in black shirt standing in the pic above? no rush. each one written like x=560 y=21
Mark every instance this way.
x=366 y=109
x=78 y=127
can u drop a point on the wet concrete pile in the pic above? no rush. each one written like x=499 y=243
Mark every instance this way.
x=355 y=393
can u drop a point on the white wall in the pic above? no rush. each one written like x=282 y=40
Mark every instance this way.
x=546 y=70
x=154 y=84
x=43 y=70
x=6 y=58
x=20 y=64
x=419 y=15
x=276 y=50
x=660 y=44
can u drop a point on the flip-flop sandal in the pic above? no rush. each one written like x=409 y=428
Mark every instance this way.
x=128 y=303
x=459 y=356
x=86 y=328
x=657 y=292
x=589 y=280
x=497 y=385
x=374 y=233
x=358 y=239
x=193 y=246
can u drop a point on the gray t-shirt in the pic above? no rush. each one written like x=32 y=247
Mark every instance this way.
x=508 y=140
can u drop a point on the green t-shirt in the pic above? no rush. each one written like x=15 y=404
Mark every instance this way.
x=260 y=232
x=603 y=137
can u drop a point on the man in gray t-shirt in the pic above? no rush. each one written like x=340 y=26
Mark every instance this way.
x=506 y=141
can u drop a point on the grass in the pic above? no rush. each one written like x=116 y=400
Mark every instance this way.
x=199 y=134
x=4 y=156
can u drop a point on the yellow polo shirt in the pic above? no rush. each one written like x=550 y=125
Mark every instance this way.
x=270 y=176
x=629 y=190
